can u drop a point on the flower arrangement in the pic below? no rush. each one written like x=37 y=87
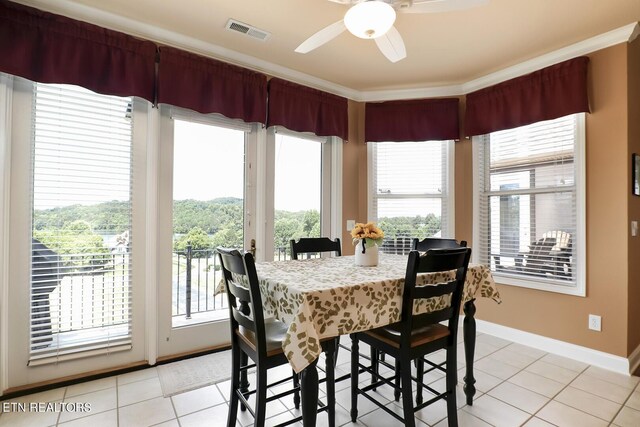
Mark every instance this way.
x=368 y=233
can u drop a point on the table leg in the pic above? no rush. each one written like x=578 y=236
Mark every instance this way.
x=309 y=394
x=469 y=333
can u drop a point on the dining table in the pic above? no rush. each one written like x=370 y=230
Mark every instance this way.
x=322 y=298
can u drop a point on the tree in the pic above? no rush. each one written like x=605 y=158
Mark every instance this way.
x=199 y=241
x=417 y=226
x=228 y=237
x=77 y=244
x=310 y=223
x=284 y=230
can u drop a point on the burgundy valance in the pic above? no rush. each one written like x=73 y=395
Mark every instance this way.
x=552 y=92
x=207 y=86
x=49 y=48
x=303 y=109
x=412 y=120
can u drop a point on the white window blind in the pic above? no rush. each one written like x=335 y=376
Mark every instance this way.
x=410 y=188
x=81 y=224
x=527 y=201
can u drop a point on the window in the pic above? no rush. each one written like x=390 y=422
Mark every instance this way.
x=208 y=211
x=81 y=223
x=529 y=206
x=412 y=191
x=297 y=190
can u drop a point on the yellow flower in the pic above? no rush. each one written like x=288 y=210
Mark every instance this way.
x=367 y=231
x=358 y=231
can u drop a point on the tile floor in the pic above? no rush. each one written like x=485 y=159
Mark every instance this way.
x=517 y=386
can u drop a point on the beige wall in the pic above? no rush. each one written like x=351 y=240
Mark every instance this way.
x=354 y=174
x=633 y=302
x=613 y=277
x=565 y=317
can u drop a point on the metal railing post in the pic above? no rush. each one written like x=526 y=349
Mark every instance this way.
x=188 y=284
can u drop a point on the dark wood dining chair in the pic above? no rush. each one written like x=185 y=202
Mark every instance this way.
x=436 y=243
x=318 y=245
x=415 y=336
x=423 y=246
x=315 y=245
x=261 y=340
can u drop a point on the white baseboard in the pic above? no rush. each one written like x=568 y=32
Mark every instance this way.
x=593 y=357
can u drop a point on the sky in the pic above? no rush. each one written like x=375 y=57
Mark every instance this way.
x=209 y=163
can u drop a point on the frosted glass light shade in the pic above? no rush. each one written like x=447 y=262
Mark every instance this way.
x=370 y=19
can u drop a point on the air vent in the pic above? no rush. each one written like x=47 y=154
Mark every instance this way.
x=247 y=30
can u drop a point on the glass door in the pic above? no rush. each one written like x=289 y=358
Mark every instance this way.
x=203 y=205
x=297 y=191
x=77 y=232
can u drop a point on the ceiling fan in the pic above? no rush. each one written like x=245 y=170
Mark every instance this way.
x=373 y=19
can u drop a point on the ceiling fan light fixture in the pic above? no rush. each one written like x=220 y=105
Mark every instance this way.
x=370 y=19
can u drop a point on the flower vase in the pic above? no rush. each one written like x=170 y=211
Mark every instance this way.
x=366 y=256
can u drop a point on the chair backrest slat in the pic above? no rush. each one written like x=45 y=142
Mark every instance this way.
x=434 y=261
x=234 y=264
x=431 y=318
x=244 y=320
x=436 y=243
x=309 y=245
x=238 y=291
x=243 y=292
x=430 y=291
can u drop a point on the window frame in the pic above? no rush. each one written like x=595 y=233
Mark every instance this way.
x=579 y=160
x=15 y=227
x=14 y=309
x=176 y=339
x=331 y=182
x=449 y=195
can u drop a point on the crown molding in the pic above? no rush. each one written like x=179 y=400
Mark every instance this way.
x=414 y=93
x=619 y=35
x=625 y=34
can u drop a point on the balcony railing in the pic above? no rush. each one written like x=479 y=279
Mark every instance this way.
x=76 y=297
x=75 y=293
x=196 y=275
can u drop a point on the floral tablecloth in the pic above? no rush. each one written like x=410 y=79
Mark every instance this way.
x=327 y=297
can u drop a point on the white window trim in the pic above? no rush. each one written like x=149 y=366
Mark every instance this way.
x=581 y=248
x=151 y=230
x=450 y=232
x=451 y=193
x=265 y=178
x=334 y=157
x=6 y=92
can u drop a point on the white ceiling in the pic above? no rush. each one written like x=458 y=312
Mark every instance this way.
x=443 y=49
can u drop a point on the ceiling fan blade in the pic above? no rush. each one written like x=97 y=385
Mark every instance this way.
x=436 y=6
x=321 y=37
x=391 y=45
